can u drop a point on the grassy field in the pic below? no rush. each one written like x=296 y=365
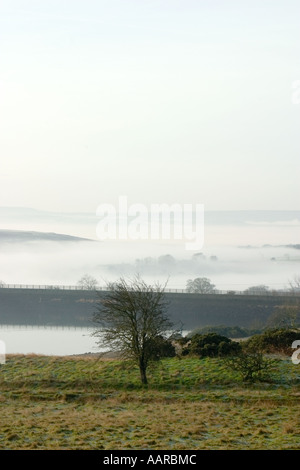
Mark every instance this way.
x=91 y=403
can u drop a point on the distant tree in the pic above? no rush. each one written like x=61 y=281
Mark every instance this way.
x=284 y=316
x=167 y=262
x=145 y=262
x=295 y=284
x=198 y=256
x=259 y=289
x=133 y=321
x=200 y=285
x=87 y=282
x=2 y=284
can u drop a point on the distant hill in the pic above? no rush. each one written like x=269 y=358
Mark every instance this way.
x=17 y=236
x=211 y=217
x=255 y=217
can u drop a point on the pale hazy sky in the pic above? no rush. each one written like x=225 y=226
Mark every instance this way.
x=175 y=101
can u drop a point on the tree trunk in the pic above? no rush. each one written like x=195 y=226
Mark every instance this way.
x=143 y=373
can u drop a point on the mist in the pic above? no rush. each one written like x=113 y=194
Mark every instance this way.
x=234 y=256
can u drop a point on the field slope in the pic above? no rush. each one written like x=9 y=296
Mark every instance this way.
x=90 y=403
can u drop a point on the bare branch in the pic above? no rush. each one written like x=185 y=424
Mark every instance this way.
x=132 y=317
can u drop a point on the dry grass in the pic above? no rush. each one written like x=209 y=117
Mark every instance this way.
x=85 y=403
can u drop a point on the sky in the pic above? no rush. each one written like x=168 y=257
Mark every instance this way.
x=163 y=101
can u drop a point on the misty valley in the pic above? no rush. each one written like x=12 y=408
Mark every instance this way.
x=241 y=249
x=75 y=389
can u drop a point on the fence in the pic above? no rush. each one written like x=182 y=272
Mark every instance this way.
x=294 y=292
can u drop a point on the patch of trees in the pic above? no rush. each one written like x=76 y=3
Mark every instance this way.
x=257 y=290
x=251 y=364
x=250 y=358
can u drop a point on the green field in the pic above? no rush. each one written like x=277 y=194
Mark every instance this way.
x=90 y=403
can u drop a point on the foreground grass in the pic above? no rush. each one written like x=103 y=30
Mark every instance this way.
x=87 y=403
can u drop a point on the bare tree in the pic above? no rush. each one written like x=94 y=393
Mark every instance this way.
x=285 y=316
x=200 y=285
x=87 y=282
x=259 y=289
x=295 y=284
x=133 y=321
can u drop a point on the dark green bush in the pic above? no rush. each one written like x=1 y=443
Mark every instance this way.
x=212 y=345
x=252 y=366
x=273 y=341
x=161 y=347
x=228 y=331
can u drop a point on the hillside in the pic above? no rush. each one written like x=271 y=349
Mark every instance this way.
x=17 y=236
x=75 y=308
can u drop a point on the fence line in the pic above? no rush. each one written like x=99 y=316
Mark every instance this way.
x=41 y=326
x=170 y=290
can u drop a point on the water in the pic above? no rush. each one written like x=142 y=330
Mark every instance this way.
x=240 y=250
x=50 y=341
x=53 y=341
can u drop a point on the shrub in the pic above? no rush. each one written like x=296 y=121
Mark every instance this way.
x=251 y=365
x=274 y=341
x=161 y=347
x=228 y=331
x=212 y=345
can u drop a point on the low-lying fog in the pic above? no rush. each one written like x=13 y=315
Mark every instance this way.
x=235 y=254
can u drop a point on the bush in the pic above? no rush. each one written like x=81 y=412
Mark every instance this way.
x=251 y=365
x=228 y=331
x=212 y=345
x=274 y=341
x=161 y=347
